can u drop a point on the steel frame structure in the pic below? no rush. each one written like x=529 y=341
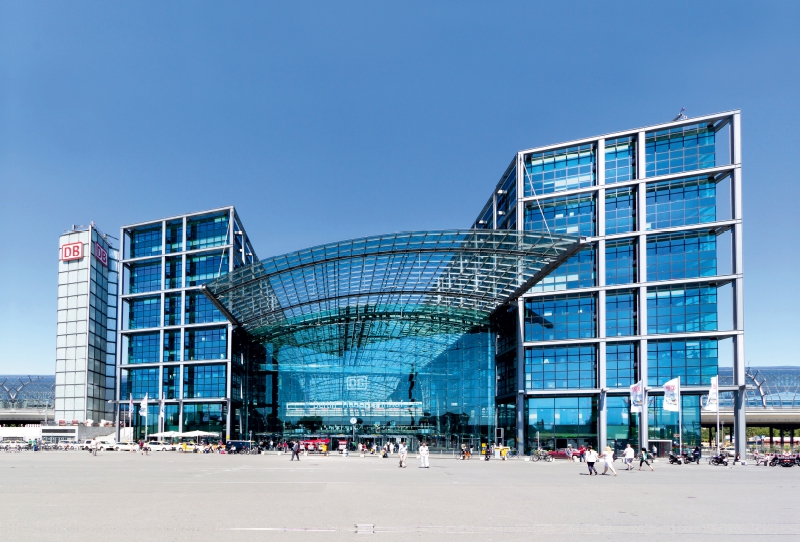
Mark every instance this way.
x=236 y=237
x=733 y=169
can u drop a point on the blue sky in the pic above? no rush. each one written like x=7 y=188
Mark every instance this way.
x=322 y=122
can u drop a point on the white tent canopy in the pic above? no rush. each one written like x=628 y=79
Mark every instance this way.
x=166 y=434
x=197 y=434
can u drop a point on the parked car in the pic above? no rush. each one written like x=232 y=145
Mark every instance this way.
x=159 y=446
x=68 y=445
x=106 y=446
x=127 y=446
x=85 y=444
x=14 y=445
x=561 y=453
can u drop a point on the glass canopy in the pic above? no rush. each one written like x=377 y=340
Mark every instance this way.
x=461 y=273
x=392 y=329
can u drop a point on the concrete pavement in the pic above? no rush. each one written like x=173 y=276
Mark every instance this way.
x=120 y=496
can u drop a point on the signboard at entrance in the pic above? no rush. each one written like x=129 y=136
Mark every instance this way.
x=71 y=251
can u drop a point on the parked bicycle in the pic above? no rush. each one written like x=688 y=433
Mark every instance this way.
x=540 y=454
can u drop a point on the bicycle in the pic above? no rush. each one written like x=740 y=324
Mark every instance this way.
x=541 y=454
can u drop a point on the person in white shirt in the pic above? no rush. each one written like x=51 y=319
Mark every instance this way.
x=423 y=456
x=403 y=454
x=591 y=459
x=629 y=455
x=608 y=460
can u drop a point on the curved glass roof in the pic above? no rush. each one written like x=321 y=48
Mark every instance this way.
x=442 y=278
x=381 y=308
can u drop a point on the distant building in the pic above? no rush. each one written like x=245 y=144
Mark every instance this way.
x=768 y=387
x=26 y=399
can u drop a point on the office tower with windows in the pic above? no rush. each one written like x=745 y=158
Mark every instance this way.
x=654 y=294
x=176 y=347
x=87 y=326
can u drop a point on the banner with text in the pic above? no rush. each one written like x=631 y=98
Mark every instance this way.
x=672 y=395
x=712 y=404
x=637 y=397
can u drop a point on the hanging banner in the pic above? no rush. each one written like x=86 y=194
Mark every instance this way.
x=672 y=395
x=712 y=404
x=143 y=406
x=637 y=397
x=161 y=409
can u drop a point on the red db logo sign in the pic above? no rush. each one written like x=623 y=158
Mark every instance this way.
x=101 y=254
x=72 y=251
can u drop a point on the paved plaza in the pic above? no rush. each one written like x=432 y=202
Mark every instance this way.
x=119 y=496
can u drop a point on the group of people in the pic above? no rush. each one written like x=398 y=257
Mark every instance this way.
x=591 y=456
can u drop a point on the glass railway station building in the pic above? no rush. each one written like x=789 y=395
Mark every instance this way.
x=594 y=264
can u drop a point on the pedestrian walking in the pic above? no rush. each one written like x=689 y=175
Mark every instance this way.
x=628 y=455
x=403 y=454
x=582 y=452
x=644 y=459
x=608 y=460
x=591 y=459
x=569 y=453
x=295 y=451
x=423 y=456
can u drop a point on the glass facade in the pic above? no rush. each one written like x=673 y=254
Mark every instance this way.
x=560 y=421
x=204 y=381
x=143 y=347
x=210 y=417
x=620 y=215
x=577 y=272
x=681 y=203
x=394 y=331
x=681 y=256
x=561 y=367
x=137 y=383
x=144 y=276
x=200 y=310
x=559 y=170
x=144 y=312
x=620 y=159
x=694 y=361
x=207 y=231
x=201 y=268
x=621 y=262
x=573 y=215
x=189 y=251
x=685 y=308
x=663 y=424
x=621 y=424
x=621 y=369
x=171 y=382
x=683 y=148
x=206 y=343
x=560 y=317
x=650 y=229
x=621 y=313
x=419 y=335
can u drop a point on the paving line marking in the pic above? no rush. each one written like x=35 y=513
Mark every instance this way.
x=303 y=529
x=789 y=529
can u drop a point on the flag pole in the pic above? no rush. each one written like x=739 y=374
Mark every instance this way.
x=718 y=450
x=680 y=421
